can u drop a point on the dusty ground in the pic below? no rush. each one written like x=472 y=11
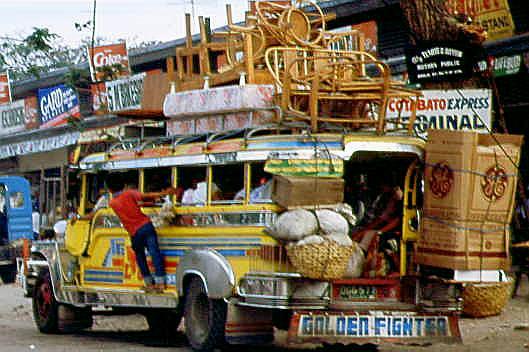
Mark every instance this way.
x=508 y=332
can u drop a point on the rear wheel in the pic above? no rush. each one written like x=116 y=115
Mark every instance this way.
x=205 y=318
x=45 y=307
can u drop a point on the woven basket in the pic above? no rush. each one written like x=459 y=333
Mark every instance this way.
x=327 y=260
x=486 y=299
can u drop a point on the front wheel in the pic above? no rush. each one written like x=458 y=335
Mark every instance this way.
x=205 y=318
x=45 y=307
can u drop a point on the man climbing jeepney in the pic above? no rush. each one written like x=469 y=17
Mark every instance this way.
x=126 y=205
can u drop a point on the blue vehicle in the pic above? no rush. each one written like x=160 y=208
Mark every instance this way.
x=15 y=223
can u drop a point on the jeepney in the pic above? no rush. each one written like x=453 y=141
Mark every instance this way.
x=307 y=98
x=229 y=279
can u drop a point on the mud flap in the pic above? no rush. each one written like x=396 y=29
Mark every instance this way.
x=373 y=327
x=248 y=325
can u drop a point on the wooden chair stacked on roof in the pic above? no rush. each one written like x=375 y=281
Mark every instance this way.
x=321 y=77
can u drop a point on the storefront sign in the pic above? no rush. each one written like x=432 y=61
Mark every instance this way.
x=99 y=98
x=493 y=15
x=370 y=31
x=31 y=113
x=507 y=65
x=434 y=62
x=109 y=62
x=39 y=145
x=5 y=88
x=12 y=117
x=125 y=94
x=461 y=109
x=57 y=104
x=102 y=134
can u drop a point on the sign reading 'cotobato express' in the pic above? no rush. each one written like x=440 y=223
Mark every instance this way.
x=125 y=94
x=457 y=110
x=435 y=62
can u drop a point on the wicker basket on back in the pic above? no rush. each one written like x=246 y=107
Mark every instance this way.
x=486 y=299
x=327 y=260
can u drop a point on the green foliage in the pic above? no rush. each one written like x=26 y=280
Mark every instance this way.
x=35 y=54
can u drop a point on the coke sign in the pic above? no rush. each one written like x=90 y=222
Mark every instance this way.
x=109 y=62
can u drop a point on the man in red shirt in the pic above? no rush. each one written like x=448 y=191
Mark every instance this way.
x=126 y=204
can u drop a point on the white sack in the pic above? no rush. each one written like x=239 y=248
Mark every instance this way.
x=332 y=223
x=294 y=225
x=314 y=239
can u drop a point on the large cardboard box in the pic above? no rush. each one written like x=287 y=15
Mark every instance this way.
x=464 y=245
x=471 y=176
x=290 y=191
x=470 y=186
x=446 y=185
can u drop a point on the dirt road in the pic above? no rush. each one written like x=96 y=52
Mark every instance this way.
x=506 y=333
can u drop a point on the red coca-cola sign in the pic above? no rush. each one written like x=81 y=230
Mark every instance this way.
x=109 y=62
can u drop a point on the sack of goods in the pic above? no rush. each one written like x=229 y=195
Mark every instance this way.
x=319 y=245
x=165 y=215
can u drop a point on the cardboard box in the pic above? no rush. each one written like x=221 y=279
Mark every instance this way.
x=290 y=191
x=469 y=177
x=463 y=245
x=446 y=186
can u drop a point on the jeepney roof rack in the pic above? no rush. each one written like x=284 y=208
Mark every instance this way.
x=125 y=144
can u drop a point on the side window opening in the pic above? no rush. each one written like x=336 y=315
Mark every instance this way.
x=260 y=184
x=16 y=200
x=156 y=180
x=95 y=189
x=131 y=178
x=228 y=181
x=192 y=179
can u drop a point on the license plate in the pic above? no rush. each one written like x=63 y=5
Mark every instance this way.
x=351 y=293
x=380 y=326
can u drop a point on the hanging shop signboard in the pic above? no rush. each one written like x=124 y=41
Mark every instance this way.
x=493 y=15
x=12 y=117
x=5 y=88
x=125 y=94
x=507 y=65
x=109 y=62
x=58 y=104
x=459 y=109
x=38 y=145
x=435 y=62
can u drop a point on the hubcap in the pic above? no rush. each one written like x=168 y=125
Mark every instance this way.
x=44 y=300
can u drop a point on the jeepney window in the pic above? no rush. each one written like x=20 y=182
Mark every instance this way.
x=131 y=178
x=16 y=200
x=261 y=184
x=95 y=189
x=156 y=180
x=193 y=181
x=229 y=179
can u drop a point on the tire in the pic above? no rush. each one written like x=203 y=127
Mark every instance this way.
x=164 y=322
x=8 y=274
x=205 y=318
x=45 y=307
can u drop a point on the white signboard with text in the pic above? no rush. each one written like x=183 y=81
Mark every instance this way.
x=458 y=109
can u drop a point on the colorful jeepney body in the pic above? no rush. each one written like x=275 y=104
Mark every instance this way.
x=224 y=245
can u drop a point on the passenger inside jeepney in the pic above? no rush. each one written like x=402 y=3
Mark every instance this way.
x=378 y=235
